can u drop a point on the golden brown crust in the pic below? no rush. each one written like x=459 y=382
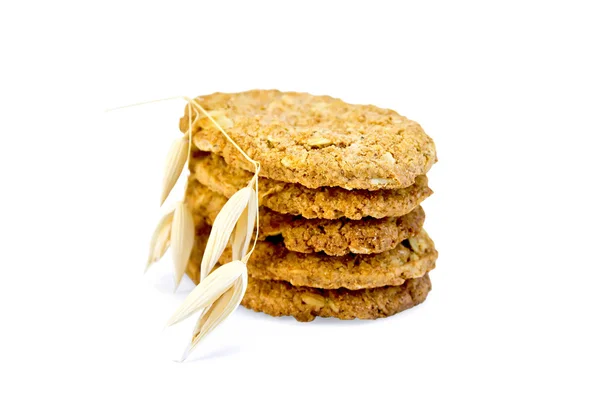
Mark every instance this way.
x=315 y=140
x=279 y=298
x=334 y=237
x=412 y=258
x=326 y=202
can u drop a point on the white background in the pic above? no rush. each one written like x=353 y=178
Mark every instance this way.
x=510 y=93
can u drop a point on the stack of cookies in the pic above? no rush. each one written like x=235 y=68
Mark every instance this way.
x=340 y=190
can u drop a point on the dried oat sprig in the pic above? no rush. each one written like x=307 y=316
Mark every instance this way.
x=220 y=290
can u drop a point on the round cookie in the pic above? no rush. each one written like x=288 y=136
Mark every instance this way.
x=314 y=140
x=326 y=202
x=333 y=237
x=279 y=298
x=413 y=258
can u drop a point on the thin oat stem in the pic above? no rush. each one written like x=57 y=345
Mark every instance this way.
x=189 y=133
x=255 y=181
x=142 y=103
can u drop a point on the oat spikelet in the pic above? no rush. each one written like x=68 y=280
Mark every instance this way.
x=160 y=239
x=222 y=228
x=244 y=228
x=178 y=155
x=209 y=290
x=182 y=239
x=219 y=310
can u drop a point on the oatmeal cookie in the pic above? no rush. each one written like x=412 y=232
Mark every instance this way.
x=278 y=298
x=314 y=140
x=326 y=202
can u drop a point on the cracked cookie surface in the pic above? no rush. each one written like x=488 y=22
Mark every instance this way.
x=279 y=298
x=412 y=258
x=334 y=237
x=291 y=198
x=314 y=140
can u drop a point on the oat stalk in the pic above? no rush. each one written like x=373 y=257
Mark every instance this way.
x=221 y=290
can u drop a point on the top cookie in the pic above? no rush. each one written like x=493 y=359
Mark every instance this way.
x=314 y=140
